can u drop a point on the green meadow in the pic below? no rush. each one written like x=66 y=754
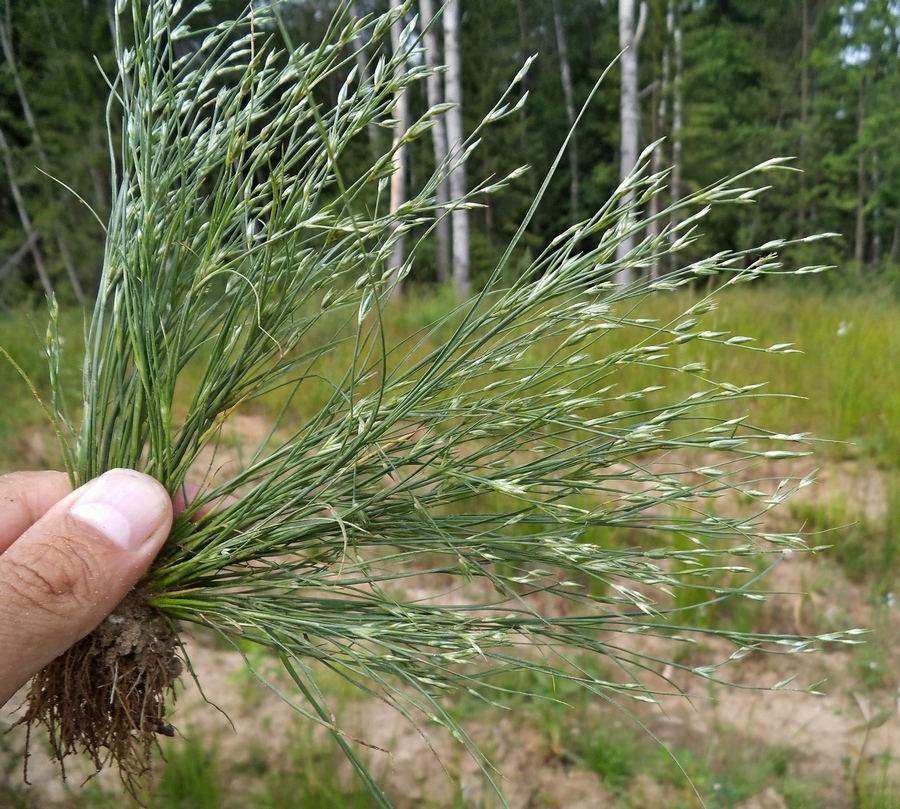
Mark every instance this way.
x=842 y=387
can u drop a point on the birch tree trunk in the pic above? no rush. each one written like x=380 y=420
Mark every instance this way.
x=14 y=260
x=677 y=112
x=629 y=38
x=362 y=66
x=30 y=233
x=459 y=217
x=565 y=70
x=398 y=178
x=65 y=253
x=859 y=249
x=439 y=140
x=662 y=113
x=875 y=225
x=677 y=117
x=525 y=85
x=804 y=108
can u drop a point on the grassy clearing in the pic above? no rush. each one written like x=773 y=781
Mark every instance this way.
x=850 y=345
x=866 y=547
x=845 y=375
x=722 y=769
x=722 y=773
x=22 y=337
x=846 y=390
x=305 y=776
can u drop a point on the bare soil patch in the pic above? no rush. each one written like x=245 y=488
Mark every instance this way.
x=848 y=728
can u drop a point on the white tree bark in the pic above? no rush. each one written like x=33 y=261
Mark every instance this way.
x=439 y=139
x=362 y=66
x=565 y=71
x=677 y=117
x=629 y=38
x=31 y=237
x=859 y=250
x=662 y=113
x=65 y=254
x=524 y=85
x=459 y=217
x=398 y=178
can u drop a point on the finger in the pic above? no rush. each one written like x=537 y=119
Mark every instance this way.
x=25 y=497
x=70 y=569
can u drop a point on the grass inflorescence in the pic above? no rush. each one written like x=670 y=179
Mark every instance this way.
x=441 y=517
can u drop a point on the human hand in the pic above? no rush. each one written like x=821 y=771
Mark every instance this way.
x=68 y=558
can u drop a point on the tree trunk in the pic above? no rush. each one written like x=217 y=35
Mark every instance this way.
x=6 y=43
x=439 y=140
x=459 y=217
x=565 y=71
x=65 y=254
x=629 y=38
x=362 y=67
x=677 y=118
x=875 y=226
x=804 y=109
x=523 y=115
x=23 y=250
x=859 y=242
x=662 y=112
x=398 y=178
x=24 y=218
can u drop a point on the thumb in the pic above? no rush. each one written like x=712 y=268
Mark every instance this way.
x=71 y=568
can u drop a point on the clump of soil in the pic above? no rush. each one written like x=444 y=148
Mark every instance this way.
x=106 y=696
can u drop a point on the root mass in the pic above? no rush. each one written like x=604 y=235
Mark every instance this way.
x=106 y=696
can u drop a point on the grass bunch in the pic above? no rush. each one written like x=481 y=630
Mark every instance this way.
x=443 y=518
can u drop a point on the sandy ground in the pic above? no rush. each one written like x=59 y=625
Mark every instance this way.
x=835 y=733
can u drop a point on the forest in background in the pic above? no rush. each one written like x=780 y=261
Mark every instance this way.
x=727 y=83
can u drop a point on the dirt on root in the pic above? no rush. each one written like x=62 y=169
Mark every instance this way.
x=105 y=698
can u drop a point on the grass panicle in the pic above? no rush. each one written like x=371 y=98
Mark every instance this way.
x=445 y=516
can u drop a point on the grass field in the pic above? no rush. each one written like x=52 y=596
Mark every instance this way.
x=843 y=388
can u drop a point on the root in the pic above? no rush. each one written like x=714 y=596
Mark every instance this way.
x=106 y=696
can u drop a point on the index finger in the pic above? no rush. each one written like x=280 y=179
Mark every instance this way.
x=24 y=498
